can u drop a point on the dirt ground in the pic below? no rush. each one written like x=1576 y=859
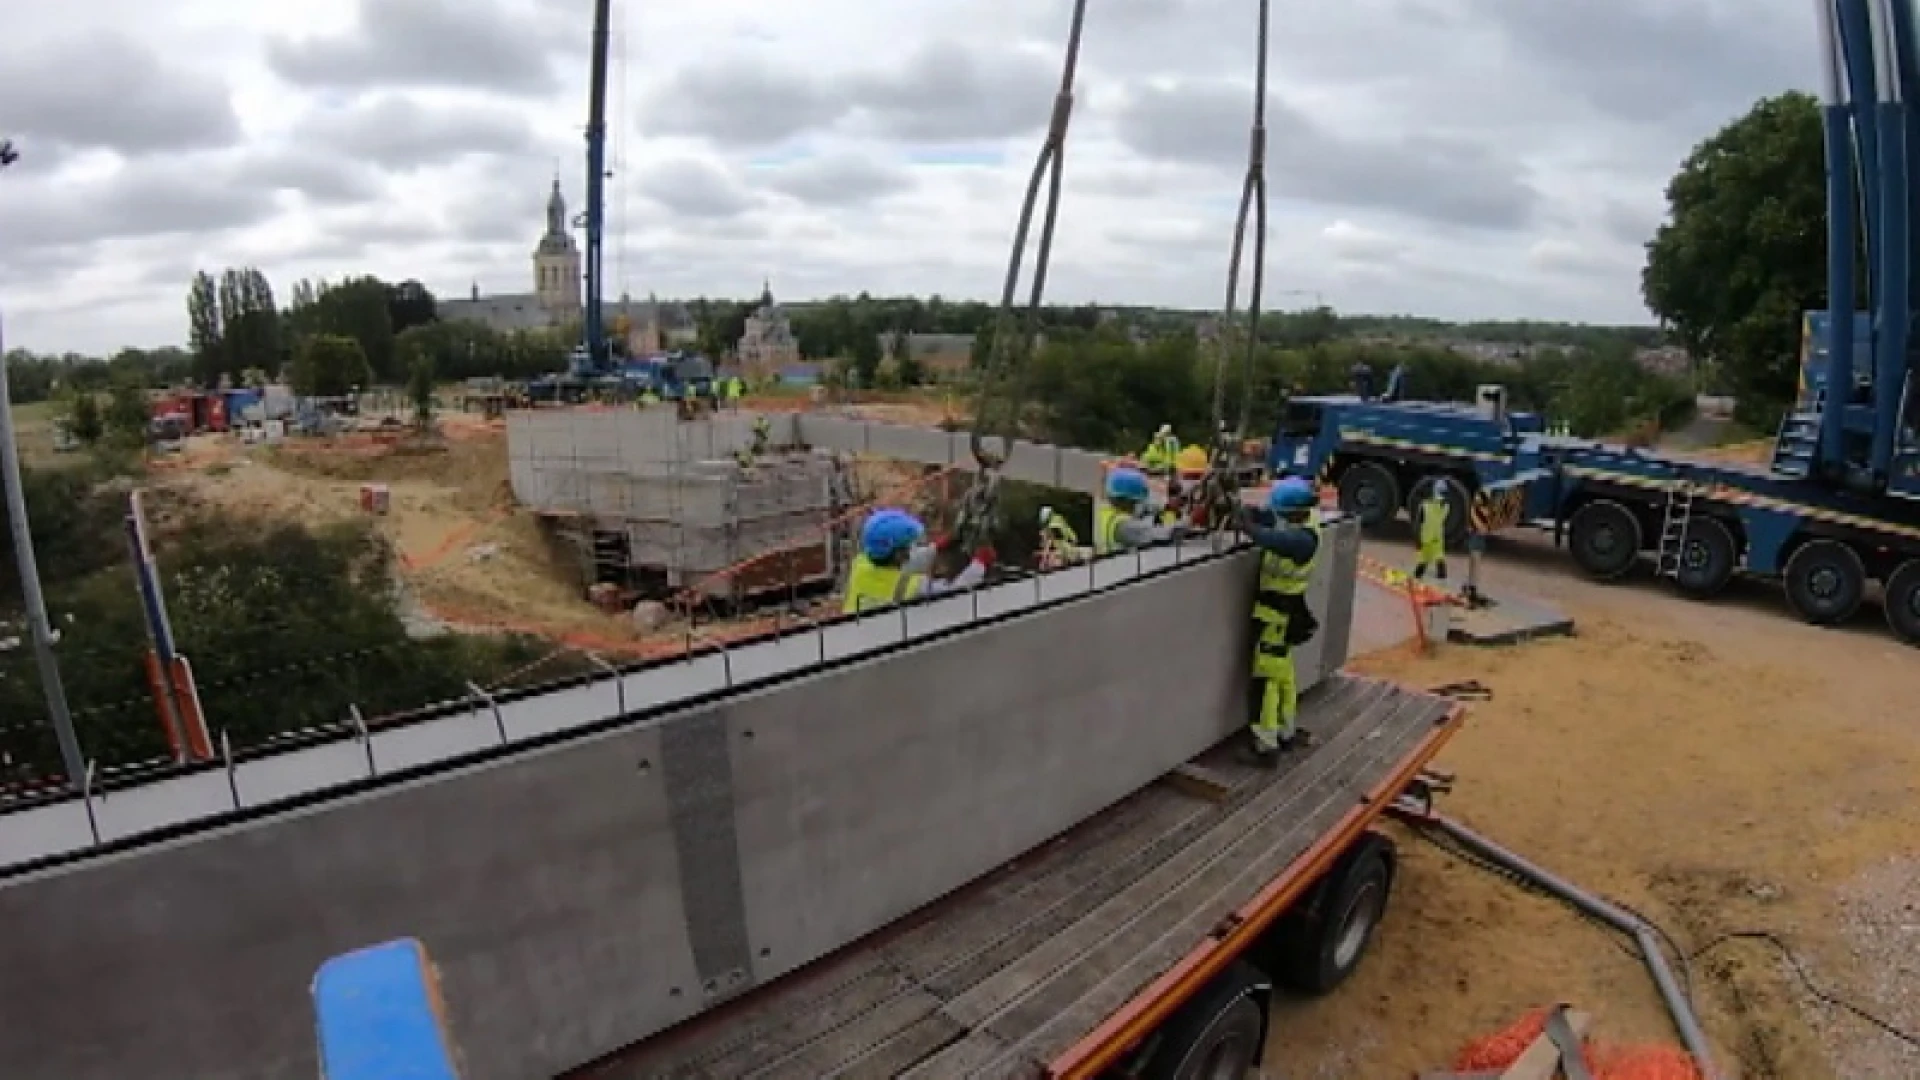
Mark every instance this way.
x=1719 y=767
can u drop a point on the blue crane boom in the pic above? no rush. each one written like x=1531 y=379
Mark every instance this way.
x=595 y=215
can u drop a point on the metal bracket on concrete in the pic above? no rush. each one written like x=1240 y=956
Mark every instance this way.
x=619 y=680
x=499 y=721
x=86 y=798
x=226 y=759
x=366 y=738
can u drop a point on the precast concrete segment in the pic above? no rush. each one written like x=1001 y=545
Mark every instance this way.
x=555 y=884
x=481 y=725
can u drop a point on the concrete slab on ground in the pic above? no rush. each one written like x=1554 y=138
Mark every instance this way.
x=1508 y=619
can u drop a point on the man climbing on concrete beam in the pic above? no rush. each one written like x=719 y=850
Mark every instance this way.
x=1124 y=522
x=1059 y=544
x=1282 y=621
x=894 y=565
x=1433 y=532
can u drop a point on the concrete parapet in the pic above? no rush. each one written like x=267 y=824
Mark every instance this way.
x=583 y=894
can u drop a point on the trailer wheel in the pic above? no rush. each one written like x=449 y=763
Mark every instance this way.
x=1825 y=582
x=1322 y=939
x=1217 y=1035
x=1458 y=522
x=1707 y=558
x=1605 y=539
x=1369 y=492
x=1902 y=601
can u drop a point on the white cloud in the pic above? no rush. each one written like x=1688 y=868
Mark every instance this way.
x=1461 y=158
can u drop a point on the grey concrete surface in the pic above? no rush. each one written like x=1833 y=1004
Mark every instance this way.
x=582 y=895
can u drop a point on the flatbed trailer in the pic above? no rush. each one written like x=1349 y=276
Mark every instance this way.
x=1148 y=941
x=1702 y=522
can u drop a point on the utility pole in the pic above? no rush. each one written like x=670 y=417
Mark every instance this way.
x=56 y=691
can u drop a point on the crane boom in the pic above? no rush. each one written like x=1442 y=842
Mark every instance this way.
x=595 y=215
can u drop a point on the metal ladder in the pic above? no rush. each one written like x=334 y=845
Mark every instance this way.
x=1674 y=523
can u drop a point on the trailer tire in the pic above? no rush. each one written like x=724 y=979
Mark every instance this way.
x=1605 y=539
x=1322 y=940
x=1217 y=1035
x=1459 y=521
x=1825 y=582
x=1708 y=557
x=1902 y=601
x=1369 y=492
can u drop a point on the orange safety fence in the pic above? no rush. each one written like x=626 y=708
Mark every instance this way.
x=1499 y=1051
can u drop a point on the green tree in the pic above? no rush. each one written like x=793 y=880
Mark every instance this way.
x=906 y=366
x=84 y=419
x=128 y=417
x=420 y=389
x=205 y=329
x=1744 y=251
x=328 y=365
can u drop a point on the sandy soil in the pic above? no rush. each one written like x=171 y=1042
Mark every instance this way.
x=1719 y=767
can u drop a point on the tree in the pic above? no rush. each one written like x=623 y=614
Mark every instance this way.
x=357 y=308
x=205 y=332
x=420 y=389
x=127 y=418
x=906 y=366
x=328 y=365
x=409 y=304
x=1743 y=253
x=84 y=419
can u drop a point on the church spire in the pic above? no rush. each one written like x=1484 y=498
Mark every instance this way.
x=556 y=210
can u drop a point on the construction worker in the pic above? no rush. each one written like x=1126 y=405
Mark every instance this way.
x=1162 y=452
x=1058 y=542
x=1433 y=531
x=1124 y=522
x=1282 y=620
x=893 y=564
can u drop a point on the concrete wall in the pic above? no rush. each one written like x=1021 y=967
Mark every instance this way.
x=1039 y=463
x=554 y=886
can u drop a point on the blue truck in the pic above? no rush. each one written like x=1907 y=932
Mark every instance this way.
x=1836 y=511
x=1701 y=521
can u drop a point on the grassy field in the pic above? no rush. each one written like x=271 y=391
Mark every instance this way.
x=33 y=431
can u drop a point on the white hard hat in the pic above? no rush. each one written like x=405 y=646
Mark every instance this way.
x=1166 y=429
x=1046 y=514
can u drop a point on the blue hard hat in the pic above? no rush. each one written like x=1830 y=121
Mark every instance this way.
x=888 y=532
x=1127 y=484
x=1291 y=493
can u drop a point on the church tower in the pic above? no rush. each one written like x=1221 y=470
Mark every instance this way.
x=556 y=263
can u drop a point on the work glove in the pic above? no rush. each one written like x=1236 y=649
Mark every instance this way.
x=984 y=555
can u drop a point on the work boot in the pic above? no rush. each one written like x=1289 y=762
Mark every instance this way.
x=1299 y=740
x=1264 y=757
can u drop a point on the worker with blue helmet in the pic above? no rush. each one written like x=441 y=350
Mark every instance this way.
x=1431 y=517
x=894 y=563
x=1289 y=548
x=1123 y=521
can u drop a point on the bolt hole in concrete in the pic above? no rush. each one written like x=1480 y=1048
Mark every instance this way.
x=765 y=952
x=746 y=734
x=645 y=764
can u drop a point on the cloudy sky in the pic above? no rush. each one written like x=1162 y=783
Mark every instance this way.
x=1461 y=158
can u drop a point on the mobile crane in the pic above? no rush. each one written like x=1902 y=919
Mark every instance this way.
x=1839 y=506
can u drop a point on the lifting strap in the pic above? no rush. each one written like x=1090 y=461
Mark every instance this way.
x=1218 y=488
x=1007 y=368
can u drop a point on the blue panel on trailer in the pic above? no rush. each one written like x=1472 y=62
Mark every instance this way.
x=378 y=1016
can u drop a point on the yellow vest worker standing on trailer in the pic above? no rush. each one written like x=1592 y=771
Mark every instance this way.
x=1281 y=617
x=893 y=565
x=1162 y=452
x=1433 y=532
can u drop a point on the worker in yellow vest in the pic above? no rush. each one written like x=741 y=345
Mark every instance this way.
x=893 y=565
x=1162 y=452
x=1282 y=620
x=1124 y=522
x=1058 y=542
x=1433 y=531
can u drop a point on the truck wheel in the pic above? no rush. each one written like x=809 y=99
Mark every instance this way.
x=1902 y=601
x=1707 y=558
x=1369 y=492
x=1825 y=582
x=1458 y=523
x=1321 y=941
x=1605 y=539
x=1217 y=1035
